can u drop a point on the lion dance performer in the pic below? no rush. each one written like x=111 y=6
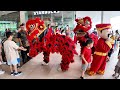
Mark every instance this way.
x=101 y=51
x=81 y=32
x=49 y=43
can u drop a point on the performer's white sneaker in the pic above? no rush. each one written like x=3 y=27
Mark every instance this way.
x=43 y=63
x=2 y=72
x=59 y=68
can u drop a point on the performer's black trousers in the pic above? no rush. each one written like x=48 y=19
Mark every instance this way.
x=110 y=52
x=25 y=58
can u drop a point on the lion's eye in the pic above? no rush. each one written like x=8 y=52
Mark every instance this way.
x=32 y=26
x=41 y=27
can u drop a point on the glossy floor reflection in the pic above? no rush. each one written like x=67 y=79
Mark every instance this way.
x=34 y=70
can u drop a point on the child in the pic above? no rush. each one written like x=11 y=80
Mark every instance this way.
x=117 y=67
x=10 y=48
x=18 y=58
x=86 y=56
x=17 y=52
x=1 y=61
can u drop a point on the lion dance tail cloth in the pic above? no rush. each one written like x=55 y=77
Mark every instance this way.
x=50 y=43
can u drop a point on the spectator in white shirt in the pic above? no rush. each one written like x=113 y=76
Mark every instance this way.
x=10 y=48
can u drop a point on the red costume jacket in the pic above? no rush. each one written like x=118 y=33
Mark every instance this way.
x=99 y=57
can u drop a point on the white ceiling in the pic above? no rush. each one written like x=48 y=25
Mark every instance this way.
x=6 y=12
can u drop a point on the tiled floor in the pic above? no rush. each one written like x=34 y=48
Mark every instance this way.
x=34 y=70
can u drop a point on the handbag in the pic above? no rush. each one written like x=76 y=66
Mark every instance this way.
x=118 y=39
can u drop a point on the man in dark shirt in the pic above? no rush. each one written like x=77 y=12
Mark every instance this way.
x=22 y=37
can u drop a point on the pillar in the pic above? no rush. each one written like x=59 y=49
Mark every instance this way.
x=102 y=14
x=62 y=19
x=51 y=18
x=23 y=16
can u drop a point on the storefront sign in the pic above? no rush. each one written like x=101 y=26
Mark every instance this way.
x=45 y=12
x=47 y=19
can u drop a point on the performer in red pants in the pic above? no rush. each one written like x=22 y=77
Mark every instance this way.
x=101 y=51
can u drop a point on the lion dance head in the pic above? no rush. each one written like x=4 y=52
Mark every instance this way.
x=34 y=27
x=83 y=25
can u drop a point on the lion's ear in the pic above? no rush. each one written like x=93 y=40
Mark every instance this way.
x=76 y=20
x=37 y=18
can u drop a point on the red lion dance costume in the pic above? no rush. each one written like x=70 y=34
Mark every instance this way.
x=81 y=32
x=49 y=43
x=101 y=51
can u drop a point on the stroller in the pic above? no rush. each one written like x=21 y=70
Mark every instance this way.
x=3 y=53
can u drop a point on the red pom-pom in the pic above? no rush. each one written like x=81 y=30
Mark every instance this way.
x=76 y=20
